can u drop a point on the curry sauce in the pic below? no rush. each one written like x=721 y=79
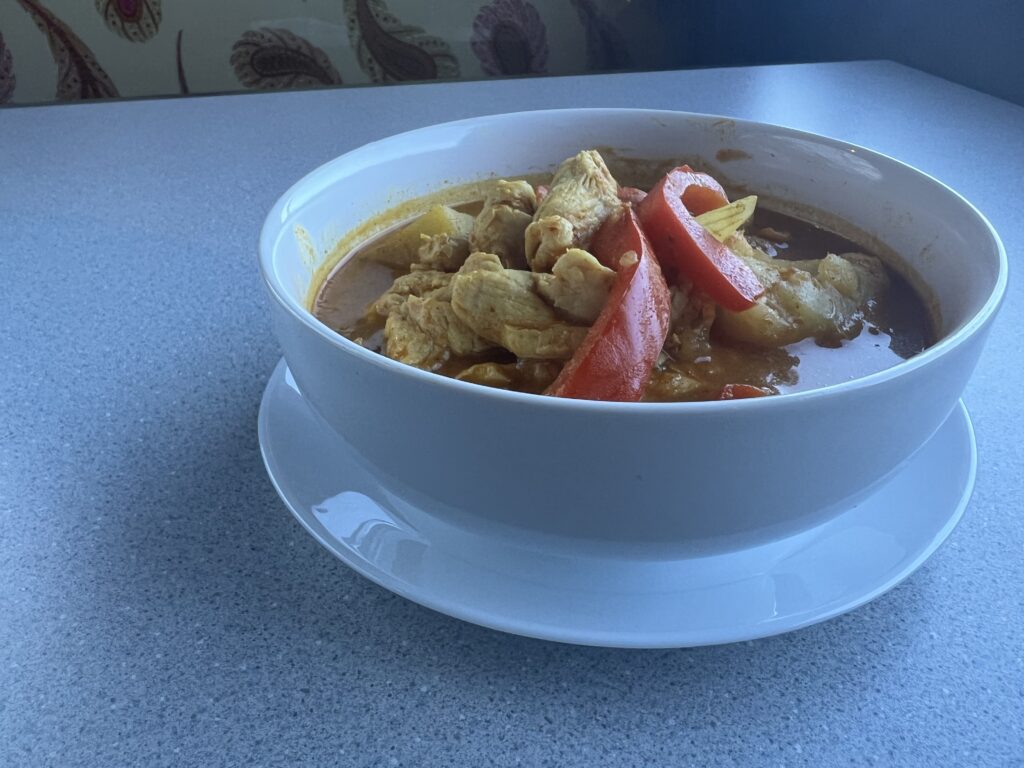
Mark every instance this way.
x=893 y=325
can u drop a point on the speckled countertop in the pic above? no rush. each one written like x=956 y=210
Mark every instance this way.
x=158 y=604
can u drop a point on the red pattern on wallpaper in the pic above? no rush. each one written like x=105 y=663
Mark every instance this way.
x=79 y=75
x=135 y=20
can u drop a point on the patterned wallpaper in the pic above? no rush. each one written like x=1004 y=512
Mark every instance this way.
x=68 y=50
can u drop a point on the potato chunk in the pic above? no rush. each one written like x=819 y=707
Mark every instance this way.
x=401 y=248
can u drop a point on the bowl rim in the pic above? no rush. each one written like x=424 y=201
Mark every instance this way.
x=287 y=204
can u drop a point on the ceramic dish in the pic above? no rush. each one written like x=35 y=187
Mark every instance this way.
x=602 y=593
x=697 y=478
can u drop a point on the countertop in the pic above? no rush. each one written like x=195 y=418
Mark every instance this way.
x=160 y=607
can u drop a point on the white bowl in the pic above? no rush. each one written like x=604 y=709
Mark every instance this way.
x=703 y=476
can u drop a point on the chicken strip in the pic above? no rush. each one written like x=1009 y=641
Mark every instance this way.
x=423 y=283
x=578 y=285
x=502 y=306
x=421 y=329
x=500 y=227
x=581 y=196
x=426 y=332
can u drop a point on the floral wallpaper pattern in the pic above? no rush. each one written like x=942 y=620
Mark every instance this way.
x=7 y=81
x=509 y=38
x=79 y=76
x=71 y=50
x=276 y=58
x=390 y=50
x=133 y=20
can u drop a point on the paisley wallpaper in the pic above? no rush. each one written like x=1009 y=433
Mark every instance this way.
x=69 y=50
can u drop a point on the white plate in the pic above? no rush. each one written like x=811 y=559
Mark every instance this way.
x=599 y=594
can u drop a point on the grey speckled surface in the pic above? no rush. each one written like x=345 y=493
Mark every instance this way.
x=158 y=605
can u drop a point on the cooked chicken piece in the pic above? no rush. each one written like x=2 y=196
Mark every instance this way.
x=797 y=304
x=552 y=236
x=426 y=332
x=421 y=328
x=516 y=194
x=501 y=230
x=524 y=375
x=578 y=285
x=582 y=195
x=692 y=314
x=422 y=284
x=501 y=225
x=443 y=252
x=501 y=305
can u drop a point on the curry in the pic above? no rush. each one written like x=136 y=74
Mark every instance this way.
x=577 y=286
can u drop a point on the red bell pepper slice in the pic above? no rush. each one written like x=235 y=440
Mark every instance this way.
x=615 y=360
x=741 y=391
x=684 y=247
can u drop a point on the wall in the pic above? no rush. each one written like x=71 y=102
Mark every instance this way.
x=168 y=47
x=75 y=49
x=979 y=44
